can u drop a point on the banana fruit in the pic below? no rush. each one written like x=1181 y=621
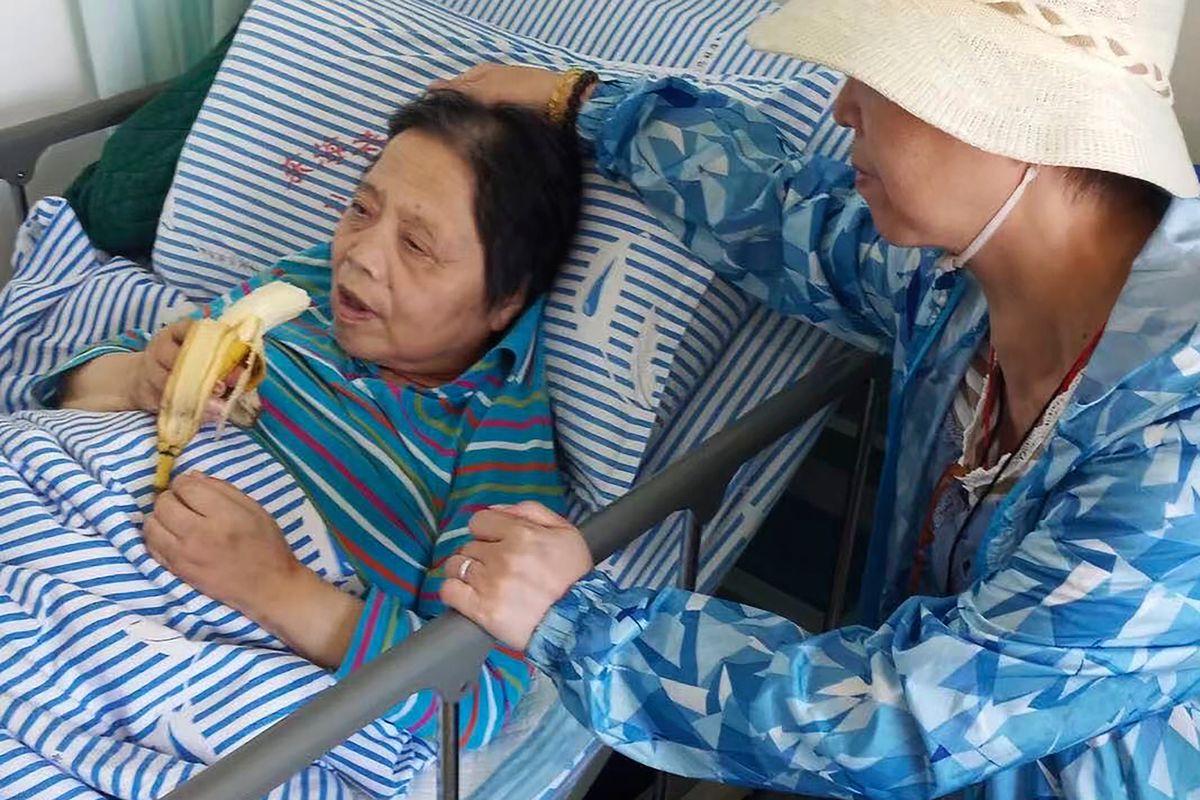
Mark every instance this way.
x=212 y=350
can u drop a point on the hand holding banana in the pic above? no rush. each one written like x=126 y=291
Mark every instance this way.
x=210 y=352
x=206 y=531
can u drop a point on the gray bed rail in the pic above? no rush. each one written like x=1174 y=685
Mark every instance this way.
x=22 y=145
x=446 y=654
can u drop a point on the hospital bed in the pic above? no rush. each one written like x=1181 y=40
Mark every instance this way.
x=642 y=369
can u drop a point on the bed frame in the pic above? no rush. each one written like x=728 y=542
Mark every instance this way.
x=446 y=654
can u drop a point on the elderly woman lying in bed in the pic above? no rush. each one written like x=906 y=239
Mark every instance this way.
x=410 y=395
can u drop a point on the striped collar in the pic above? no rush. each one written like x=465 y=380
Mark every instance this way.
x=520 y=341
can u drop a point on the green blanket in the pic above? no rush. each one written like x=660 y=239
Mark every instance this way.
x=119 y=198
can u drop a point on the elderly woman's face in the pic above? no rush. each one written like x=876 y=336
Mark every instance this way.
x=408 y=265
x=924 y=187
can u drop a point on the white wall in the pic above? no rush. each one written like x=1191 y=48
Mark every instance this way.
x=1187 y=78
x=42 y=68
x=41 y=72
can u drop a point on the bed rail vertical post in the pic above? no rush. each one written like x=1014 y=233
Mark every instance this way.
x=20 y=201
x=854 y=498
x=448 y=752
x=689 y=561
x=689 y=572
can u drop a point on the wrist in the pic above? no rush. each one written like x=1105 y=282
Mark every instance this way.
x=279 y=597
x=102 y=384
x=313 y=618
x=133 y=369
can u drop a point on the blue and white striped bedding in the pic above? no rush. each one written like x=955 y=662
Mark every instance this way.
x=117 y=679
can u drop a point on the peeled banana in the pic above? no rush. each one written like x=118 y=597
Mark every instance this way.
x=211 y=351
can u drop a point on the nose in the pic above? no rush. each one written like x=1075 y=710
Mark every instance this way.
x=367 y=253
x=846 y=110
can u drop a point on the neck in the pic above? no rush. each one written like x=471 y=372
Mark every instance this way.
x=1051 y=276
x=425 y=380
x=431 y=375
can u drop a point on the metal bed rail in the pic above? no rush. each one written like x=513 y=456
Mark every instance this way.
x=22 y=145
x=446 y=654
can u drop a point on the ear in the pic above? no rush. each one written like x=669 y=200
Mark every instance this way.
x=503 y=313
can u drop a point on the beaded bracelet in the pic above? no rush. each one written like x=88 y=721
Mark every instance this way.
x=568 y=95
x=585 y=81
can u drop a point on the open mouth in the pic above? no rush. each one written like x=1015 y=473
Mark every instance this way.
x=351 y=307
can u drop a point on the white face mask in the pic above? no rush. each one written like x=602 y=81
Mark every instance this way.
x=959 y=261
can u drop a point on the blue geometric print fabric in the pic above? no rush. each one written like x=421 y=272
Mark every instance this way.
x=1069 y=668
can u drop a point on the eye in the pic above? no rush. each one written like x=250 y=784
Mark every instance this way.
x=413 y=245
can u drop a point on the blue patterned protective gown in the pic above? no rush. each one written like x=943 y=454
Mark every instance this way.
x=1069 y=668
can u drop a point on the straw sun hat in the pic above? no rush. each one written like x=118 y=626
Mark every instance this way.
x=1071 y=83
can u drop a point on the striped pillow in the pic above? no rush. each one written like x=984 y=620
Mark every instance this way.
x=301 y=103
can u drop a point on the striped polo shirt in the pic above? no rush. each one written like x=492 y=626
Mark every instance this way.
x=396 y=471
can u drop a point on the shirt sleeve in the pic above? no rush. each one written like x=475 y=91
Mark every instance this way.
x=786 y=228
x=47 y=389
x=489 y=473
x=1088 y=626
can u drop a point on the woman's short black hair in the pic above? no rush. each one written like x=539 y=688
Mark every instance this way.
x=527 y=183
x=1122 y=189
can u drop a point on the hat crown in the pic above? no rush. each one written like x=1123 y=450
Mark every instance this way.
x=1140 y=35
x=1065 y=83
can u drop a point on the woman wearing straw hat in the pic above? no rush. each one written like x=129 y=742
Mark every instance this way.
x=1017 y=233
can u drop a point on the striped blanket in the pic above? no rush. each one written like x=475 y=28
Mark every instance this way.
x=117 y=679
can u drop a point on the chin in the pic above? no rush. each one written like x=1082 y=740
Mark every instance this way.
x=895 y=231
x=349 y=341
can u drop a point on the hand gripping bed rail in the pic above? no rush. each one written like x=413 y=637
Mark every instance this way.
x=446 y=654
x=22 y=145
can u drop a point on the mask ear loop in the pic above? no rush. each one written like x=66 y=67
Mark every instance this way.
x=959 y=261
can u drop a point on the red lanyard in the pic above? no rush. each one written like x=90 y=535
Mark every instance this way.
x=995 y=389
x=993 y=403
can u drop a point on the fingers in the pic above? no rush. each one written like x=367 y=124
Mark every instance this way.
x=164 y=354
x=163 y=351
x=458 y=590
x=176 y=516
x=213 y=409
x=230 y=380
x=463 y=599
x=166 y=343
x=156 y=378
x=503 y=522
x=536 y=513
x=495 y=526
x=452 y=569
x=158 y=359
x=468 y=76
x=159 y=540
x=458 y=83
x=207 y=495
x=178 y=330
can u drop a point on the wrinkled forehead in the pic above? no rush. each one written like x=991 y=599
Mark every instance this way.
x=419 y=176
